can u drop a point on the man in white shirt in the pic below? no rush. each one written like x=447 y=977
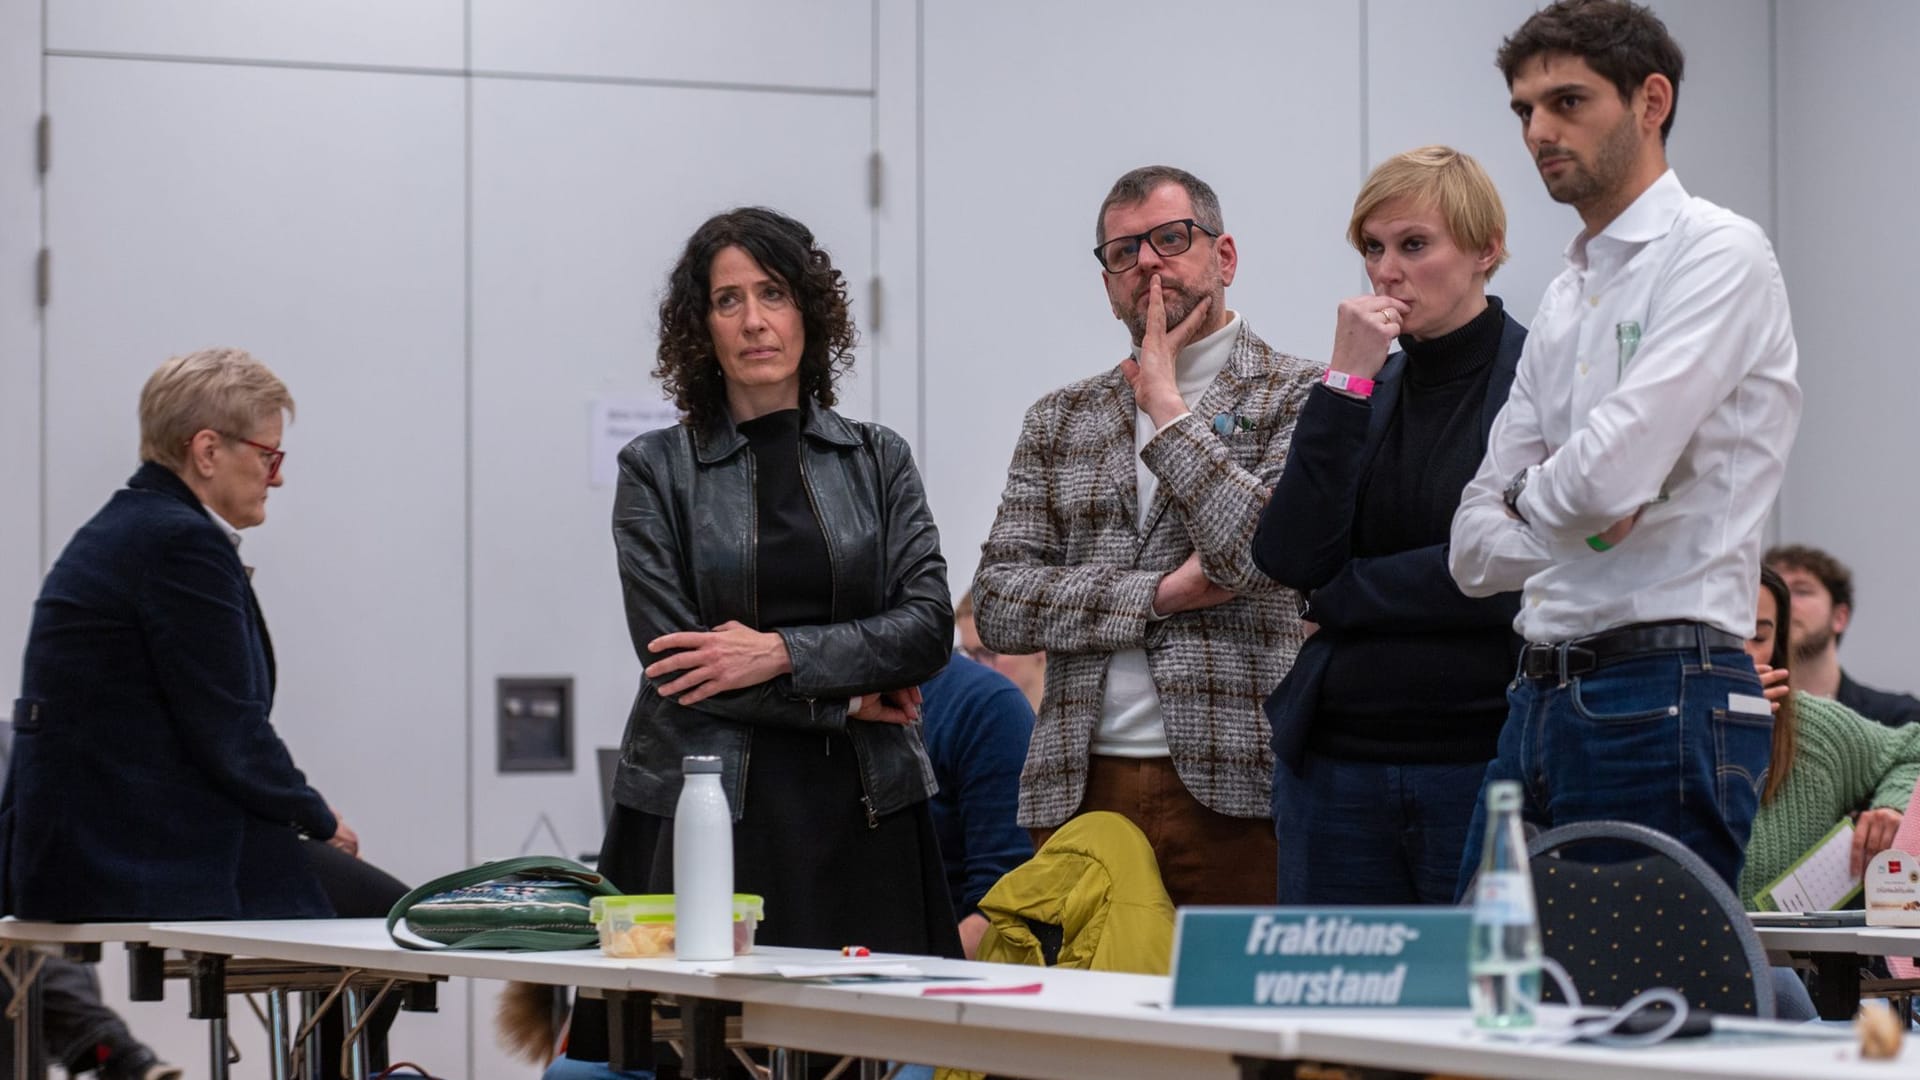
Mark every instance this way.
x=1627 y=481
x=1123 y=548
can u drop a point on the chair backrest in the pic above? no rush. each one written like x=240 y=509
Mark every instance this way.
x=1648 y=913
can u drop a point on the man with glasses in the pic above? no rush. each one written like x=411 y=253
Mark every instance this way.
x=1122 y=546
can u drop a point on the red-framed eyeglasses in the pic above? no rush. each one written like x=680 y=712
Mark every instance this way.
x=274 y=454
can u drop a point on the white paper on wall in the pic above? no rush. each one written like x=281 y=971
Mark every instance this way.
x=615 y=422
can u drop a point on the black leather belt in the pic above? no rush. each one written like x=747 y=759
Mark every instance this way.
x=1538 y=661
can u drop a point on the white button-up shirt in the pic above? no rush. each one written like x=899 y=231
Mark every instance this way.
x=1657 y=377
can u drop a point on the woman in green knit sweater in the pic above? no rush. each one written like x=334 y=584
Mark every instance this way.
x=1829 y=762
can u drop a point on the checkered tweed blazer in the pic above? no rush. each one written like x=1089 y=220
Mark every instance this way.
x=1068 y=569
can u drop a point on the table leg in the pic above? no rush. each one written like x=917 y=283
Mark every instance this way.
x=22 y=976
x=310 y=1046
x=351 y=1001
x=1836 y=990
x=790 y=1064
x=15 y=955
x=217 y=1048
x=705 y=1024
x=629 y=1030
x=279 y=1038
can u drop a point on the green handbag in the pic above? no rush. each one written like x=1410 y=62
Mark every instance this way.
x=533 y=903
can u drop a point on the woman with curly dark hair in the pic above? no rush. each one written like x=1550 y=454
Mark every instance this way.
x=786 y=595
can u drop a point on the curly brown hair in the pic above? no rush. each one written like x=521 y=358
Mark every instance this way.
x=688 y=369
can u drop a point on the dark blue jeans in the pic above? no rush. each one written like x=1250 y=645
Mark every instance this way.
x=1667 y=740
x=1362 y=832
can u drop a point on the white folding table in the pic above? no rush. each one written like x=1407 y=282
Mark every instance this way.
x=1078 y=1024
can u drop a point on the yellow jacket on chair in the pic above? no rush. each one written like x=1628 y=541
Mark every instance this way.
x=1096 y=879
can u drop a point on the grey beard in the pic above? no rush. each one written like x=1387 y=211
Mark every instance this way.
x=1178 y=306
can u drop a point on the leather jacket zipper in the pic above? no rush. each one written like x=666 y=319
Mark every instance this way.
x=833 y=608
x=753 y=542
x=833 y=574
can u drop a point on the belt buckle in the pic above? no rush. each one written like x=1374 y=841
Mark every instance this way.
x=1538 y=660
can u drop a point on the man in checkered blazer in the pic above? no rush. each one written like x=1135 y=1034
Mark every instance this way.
x=1122 y=549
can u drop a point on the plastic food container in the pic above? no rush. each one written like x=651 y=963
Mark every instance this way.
x=633 y=927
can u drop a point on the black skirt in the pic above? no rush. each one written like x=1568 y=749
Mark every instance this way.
x=803 y=842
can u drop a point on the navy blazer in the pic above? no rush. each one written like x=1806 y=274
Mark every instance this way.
x=1304 y=541
x=146 y=781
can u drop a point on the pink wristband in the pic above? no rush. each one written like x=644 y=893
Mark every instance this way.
x=1352 y=384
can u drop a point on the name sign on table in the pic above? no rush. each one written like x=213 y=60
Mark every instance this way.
x=1339 y=958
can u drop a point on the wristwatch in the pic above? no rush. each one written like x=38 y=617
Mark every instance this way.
x=1512 y=495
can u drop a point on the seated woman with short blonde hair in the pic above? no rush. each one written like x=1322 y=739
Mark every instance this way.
x=147 y=782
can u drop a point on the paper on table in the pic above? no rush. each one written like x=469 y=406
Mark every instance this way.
x=859 y=970
x=1820 y=880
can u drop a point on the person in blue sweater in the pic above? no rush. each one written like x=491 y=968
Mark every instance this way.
x=1385 y=723
x=976 y=724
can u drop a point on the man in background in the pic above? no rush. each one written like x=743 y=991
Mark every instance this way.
x=1822 y=589
x=1027 y=670
x=976 y=723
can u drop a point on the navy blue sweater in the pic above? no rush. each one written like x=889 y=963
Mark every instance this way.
x=976 y=724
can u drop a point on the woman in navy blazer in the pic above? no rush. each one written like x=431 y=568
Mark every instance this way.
x=146 y=781
x=1386 y=721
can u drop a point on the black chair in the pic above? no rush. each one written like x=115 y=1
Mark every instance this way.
x=1644 y=912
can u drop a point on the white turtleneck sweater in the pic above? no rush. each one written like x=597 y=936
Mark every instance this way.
x=1131 y=724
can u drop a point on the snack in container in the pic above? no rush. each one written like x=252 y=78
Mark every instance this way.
x=640 y=927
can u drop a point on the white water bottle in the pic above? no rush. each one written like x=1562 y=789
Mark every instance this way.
x=702 y=864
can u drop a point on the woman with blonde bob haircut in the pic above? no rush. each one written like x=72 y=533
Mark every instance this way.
x=146 y=782
x=1385 y=723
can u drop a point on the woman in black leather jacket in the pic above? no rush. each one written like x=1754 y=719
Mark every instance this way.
x=786 y=594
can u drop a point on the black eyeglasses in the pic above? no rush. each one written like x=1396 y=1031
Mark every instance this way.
x=1122 y=252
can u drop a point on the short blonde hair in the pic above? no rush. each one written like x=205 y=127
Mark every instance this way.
x=225 y=390
x=1447 y=180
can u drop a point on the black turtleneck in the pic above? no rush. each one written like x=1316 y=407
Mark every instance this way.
x=1432 y=445
x=1434 y=697
x=794 y=580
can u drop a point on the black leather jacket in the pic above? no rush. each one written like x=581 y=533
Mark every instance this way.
x=683 y=523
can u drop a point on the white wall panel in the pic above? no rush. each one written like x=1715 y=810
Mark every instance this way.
x=19 y=334
x=895 y=343
x=1847 y=208
x=1260 y=100
x=416 y=33
x=1723 y=140
x=820 y=43
x=583 y=198
x=314 y=218
x=1431 y=79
